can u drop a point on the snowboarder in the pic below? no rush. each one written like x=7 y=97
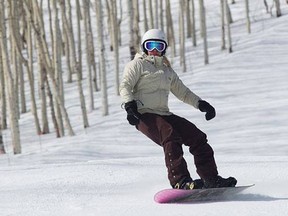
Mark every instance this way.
x=147 y=81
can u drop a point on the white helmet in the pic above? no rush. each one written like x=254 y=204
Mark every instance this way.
x=153 y=34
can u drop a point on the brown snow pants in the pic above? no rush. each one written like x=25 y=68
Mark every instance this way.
x=171 y=132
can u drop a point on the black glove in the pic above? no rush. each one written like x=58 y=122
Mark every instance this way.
x=133 y=116
x=206 y=107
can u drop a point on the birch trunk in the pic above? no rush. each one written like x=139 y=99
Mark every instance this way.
x=193 y=23
x=203 y=30
x=51 y=104
x=20 y=21
x=223 y=41
x=170 y=29
x=182 y=36
x=156 y=14
x=119 y=21
x=145 y=16
x=136 y=29
x=227 y=11
x=248 y=23
x=66 y=49
x=131 y=33
x=161 y=15
x=78 y=12
x=56 y=61
x=3 y=105
x=79 y=69
x=42 y=76
x=88 y=55
x=92 y=52
x=278 y=8
x=151 y=17
x=188 y=18
x=100 y=31
x=266 y=6
x=113 y=19
x=2 y=147
x=12 y=17
x=10 y=88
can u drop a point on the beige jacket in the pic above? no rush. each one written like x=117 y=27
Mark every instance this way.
x=149 y=80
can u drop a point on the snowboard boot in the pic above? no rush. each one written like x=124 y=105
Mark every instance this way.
x=219 y=182
x=189 y=184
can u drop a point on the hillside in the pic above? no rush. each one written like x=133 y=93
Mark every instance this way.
x=112 y=169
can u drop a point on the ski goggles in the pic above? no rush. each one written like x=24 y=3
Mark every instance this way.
x=151 y=45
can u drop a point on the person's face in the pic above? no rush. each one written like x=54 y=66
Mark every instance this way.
x=154 y=52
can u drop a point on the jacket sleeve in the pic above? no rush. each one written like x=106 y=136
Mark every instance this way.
x=132 y=73
x=183 y=93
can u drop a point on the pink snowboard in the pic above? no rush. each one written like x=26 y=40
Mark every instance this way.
x=170 y=195
x=188 y=196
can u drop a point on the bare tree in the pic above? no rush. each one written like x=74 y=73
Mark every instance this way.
x=227 y=11
x=229 y=14
x=100 y=31
x=56 y=61
x=43 y=98
x=119 y=5
x=193 y=23
x=223 y=41
x=248 y=23
x=78 y=68
x=151 y=17
x=66 y=48
x=15 y=19
x=79 y=47
x=203 y=30
x=170 y=29
x=3 y=105
x=136 y=29
x=266 y=6
x=10 y=84
x=113 y=20
x=161 y=14
x=188 y=18
x=88 y=35
x=51 y=103
x=2 y=147
x=156 y=14
x=12 y=12
x=278 y=8
x=182 y=36
x=69 y=38
x=91 y=50
x=145 y=16
x=133 y=27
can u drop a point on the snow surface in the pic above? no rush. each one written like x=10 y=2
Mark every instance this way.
x=111 y=169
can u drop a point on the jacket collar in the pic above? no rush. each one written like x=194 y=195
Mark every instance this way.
x=158 y=61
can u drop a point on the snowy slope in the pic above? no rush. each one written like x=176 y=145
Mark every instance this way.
x=111 y=169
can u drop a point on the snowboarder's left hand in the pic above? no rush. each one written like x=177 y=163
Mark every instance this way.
x=204 y=106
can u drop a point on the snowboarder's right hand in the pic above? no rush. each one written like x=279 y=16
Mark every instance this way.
x=133 y=116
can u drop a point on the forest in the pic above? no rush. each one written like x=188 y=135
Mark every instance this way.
x=46 y=45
